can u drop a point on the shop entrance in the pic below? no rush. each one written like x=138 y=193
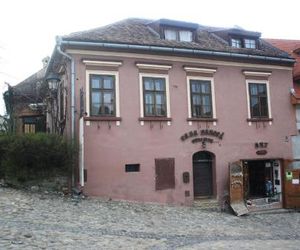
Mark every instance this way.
x=203 y=174
x=258 y=178
x=255 y=185
x=260 y=172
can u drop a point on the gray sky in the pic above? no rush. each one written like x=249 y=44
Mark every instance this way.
x=28 y=27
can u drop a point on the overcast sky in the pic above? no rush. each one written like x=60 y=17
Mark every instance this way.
x=28 y=27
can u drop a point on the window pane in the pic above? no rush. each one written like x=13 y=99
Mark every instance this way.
x=206 y=100
x=159 y=84
x=255 y=111
x=185 y=36
x=236 y=43
x=262 y=89
x=254 y=101
x=196 y=111
x=205 y=87
x=107 y=82
x=207 y=111
x=108 y=97
x=255 y=106
x=170 y=35
x=253 y=89
x=109 y=109
x=149 y=109
x=196 y=100
x=196 y=87
x=148 y=84
x=95 y=108
x=160 y=99
x=149 y=99
x=160 y=110
x=250 y=43
x=264 y=110
x=263 y=100
x=96 y=84
x=96 y=97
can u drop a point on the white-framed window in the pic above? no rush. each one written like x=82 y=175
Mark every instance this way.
x=102 y=93
x=250 y=43
x=258 y=99
x=170 y=34
x=236 y=43
x=201 y=97
x=178 y=35
x=185 y=36
x=154 y=95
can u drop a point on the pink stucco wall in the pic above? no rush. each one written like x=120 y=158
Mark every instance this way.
x=107 y=150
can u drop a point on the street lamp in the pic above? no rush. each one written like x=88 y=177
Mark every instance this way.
x=53 y=80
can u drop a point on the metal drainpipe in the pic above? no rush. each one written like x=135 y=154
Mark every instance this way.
x=58 y=41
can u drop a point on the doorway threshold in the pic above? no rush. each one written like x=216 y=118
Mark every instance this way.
x=262 y=204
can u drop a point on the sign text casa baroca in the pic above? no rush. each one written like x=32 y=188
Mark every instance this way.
x=203 y=136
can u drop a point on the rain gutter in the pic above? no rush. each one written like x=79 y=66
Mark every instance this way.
x=105 y=45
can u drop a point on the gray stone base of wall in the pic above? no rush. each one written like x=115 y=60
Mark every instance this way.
x=50 y=184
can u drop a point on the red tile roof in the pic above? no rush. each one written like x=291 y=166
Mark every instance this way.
x=292 y=47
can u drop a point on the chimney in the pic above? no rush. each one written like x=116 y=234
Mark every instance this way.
x=45 y=61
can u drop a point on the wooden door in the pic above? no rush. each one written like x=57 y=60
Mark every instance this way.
x=291 y=179
x=203 y=185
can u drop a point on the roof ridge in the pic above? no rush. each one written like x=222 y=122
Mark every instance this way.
x=106 y=26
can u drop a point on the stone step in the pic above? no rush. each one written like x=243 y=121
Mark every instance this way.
x=207 y=204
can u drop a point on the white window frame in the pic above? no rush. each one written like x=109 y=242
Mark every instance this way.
x=117 y=90
x=249 y=43
x=213 y=97
x=266 y=82
x=236 y=43
x=188 y=34
x=166 y=77
x=168 y=32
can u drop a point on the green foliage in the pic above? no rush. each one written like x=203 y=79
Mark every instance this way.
x=34 y=156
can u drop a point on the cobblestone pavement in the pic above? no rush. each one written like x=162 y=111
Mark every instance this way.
x=44 y=221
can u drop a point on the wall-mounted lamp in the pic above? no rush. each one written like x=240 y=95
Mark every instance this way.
x=53 y=80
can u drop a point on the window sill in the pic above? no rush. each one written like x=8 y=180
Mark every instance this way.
x=259 y=119
x=155 y=119
x=102 y=118
x=194 y=119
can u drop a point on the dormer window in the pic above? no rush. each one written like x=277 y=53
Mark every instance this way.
x=185 y=36
x=236 y=43
x=250 y=43
x=171 y=34
x=239 y=42
x=178 y=35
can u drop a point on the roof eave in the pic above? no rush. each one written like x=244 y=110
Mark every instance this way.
x=187 y=51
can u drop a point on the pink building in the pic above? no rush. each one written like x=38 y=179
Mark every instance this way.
x=161 y=108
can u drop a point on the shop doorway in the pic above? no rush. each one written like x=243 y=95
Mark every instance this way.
x=260 y=172
x=203 y=174
x=255 y=185
x=262 y=178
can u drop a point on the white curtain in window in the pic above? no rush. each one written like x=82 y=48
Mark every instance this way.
x=170 y=34
x=185 y=36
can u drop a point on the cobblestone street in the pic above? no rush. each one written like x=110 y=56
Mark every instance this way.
x=44 y=221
